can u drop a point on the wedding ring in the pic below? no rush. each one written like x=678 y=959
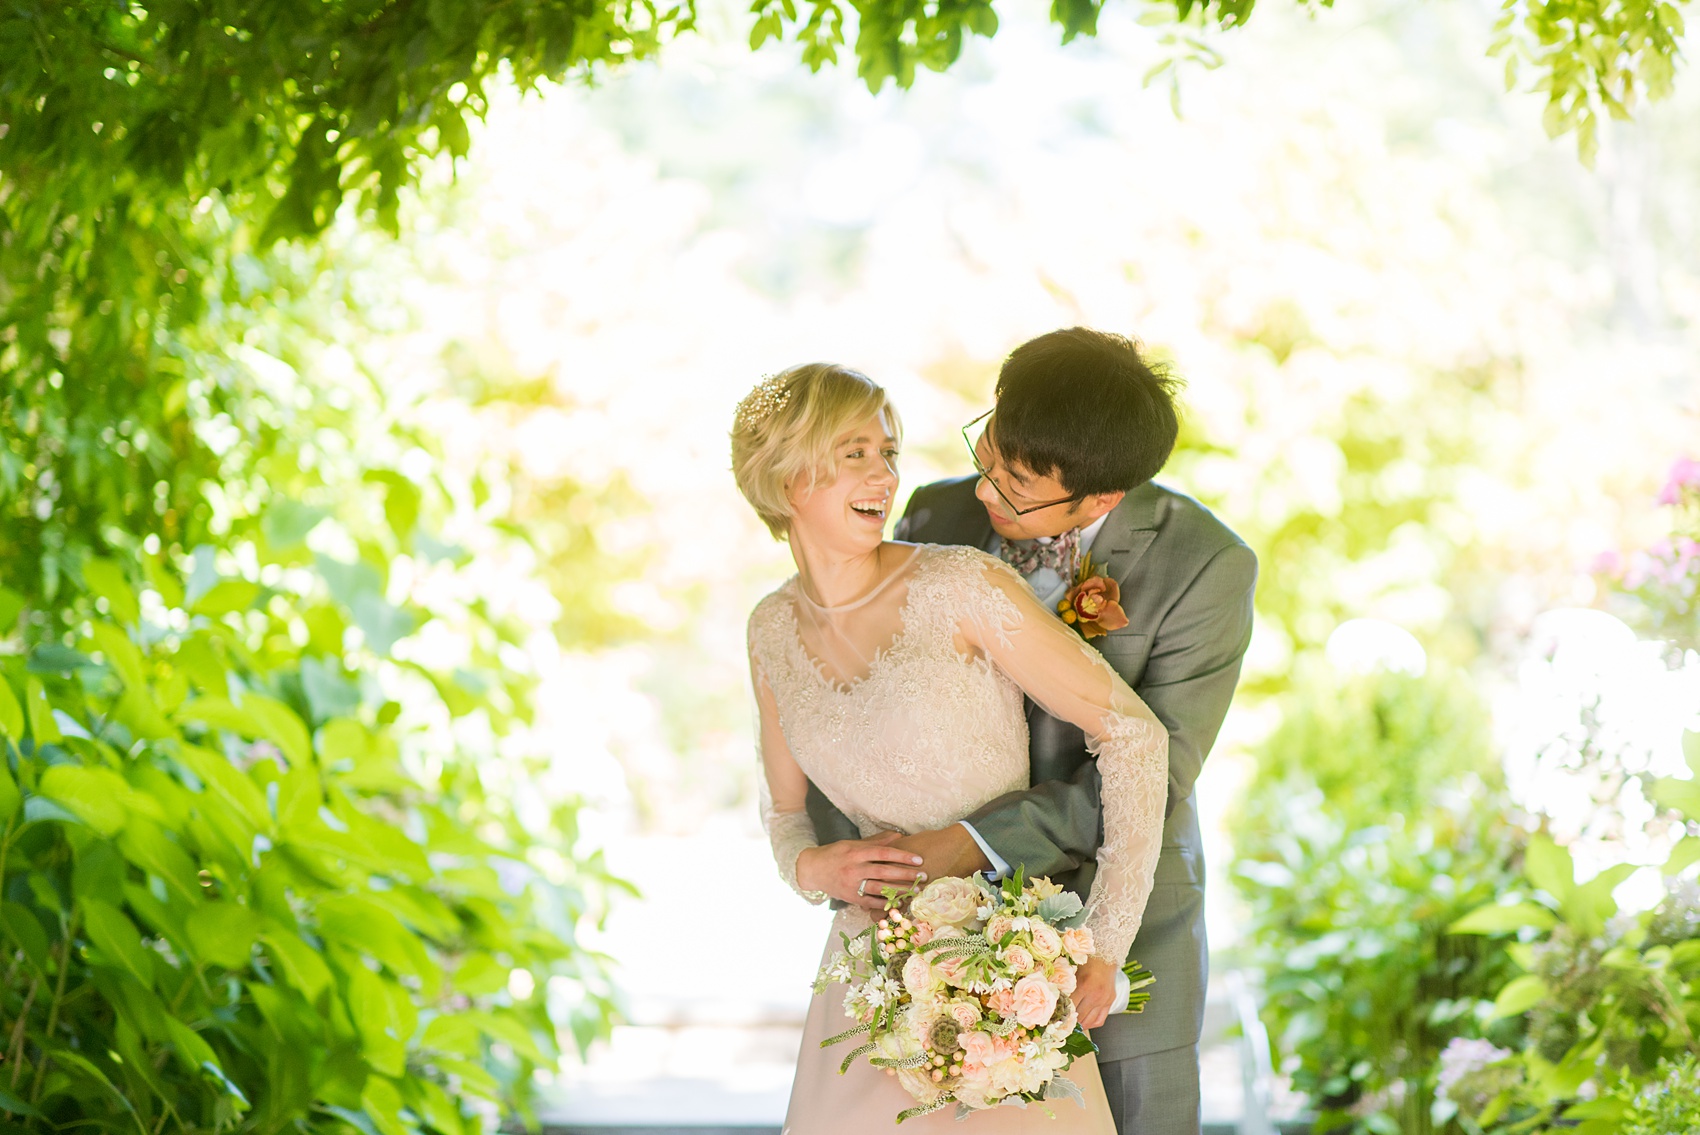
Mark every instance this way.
x=862 y=889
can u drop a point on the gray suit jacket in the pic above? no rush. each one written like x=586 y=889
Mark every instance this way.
x=1186 y=583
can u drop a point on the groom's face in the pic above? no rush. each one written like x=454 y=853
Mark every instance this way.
x=1007 y=489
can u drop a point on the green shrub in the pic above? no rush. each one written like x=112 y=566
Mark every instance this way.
x=1609 y=1003
x=1373 y=823
x=237 y=894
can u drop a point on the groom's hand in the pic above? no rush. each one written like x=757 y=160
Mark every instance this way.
x=856 y=871
x=947 y=851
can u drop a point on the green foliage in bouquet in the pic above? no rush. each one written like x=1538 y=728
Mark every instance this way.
x=1372 y=825
x=1609 y=1005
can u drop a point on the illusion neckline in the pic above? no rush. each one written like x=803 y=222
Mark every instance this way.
x=872 y=594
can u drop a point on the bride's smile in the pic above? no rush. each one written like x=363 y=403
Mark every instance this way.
x=838 y=524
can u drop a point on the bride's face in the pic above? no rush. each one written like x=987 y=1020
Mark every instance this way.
x=848 y=513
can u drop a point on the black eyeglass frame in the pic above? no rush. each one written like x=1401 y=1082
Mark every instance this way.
x=985 y=474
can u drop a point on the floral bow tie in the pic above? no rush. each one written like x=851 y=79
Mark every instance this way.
x=1028 y=556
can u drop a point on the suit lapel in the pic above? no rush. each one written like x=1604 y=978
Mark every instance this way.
x=1127 y=533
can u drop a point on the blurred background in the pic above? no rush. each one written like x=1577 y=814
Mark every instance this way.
x=1440 y=375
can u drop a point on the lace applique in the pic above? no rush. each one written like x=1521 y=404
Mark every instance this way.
x=1133 y=764
x=927 y=735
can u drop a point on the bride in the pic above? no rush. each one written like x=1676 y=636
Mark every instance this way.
x=892 y=675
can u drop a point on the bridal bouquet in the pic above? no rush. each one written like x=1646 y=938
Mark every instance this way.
x=965 y=998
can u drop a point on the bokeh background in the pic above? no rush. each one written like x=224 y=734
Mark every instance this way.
x=1440 y=374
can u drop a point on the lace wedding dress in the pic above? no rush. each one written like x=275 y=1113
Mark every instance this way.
x=905 y=709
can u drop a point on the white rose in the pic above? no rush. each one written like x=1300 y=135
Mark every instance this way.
x=947 y=902
x=1047 y=943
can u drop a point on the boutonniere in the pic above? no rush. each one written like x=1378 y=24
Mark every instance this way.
x=1093 y=605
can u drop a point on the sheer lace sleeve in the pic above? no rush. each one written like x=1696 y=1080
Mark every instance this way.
x=783 y=787
x=1071 y=681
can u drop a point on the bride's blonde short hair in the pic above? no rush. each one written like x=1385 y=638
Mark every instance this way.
x=784 y=429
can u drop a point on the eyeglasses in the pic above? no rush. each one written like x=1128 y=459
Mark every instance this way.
x=972 y=437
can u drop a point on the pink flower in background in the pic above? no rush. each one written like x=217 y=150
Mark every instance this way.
x=1002 y=1002
x=1606 y=563
x=1685 y=474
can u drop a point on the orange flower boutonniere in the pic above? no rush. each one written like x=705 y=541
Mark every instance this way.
x=1093 y=605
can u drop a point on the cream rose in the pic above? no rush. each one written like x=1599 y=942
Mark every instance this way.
x=1018 y=959
x=1078 y=944
x=1047 y=943
x=1035 y=1000
x=1000 y=925
x=949 y=901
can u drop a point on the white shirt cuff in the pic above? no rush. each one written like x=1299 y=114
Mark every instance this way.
x=1124 y=989
x=1000 y=866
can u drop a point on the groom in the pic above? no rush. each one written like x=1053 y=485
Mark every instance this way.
x=1065 y=460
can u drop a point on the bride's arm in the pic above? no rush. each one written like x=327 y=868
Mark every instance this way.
x=1071 y=681
x=814 y=870
x=784 y=792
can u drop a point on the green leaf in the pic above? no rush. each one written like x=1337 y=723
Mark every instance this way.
x=300 y=963
x=1591 y=905
x=288 y=523
x=1691 y=751
x=191 y=1049
x=258 y=717
x=97 y=796
x=10 y=797
x=118 y=939
x=1519 y=996
x=42 y=726
x=16 y=1106
x=231 y=785
x=120 y=653
x=22 y=927
x=382 y=1102
x=106 y=579
x=1549 y=866
x=1497 y=919
x=11 y=714
x=226 y=596
x=1680 y=795
x=224 y=933
x=11 y=606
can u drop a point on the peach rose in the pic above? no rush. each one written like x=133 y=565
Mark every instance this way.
x=1035 y=1000
x=1047 y=943
x=918 y=975
x=951 y=971
x=922 y=934
x=977 y=1048
x=1060 y=974
x=966 y=1014
x=1000 y=925
x=1077 y=943
x=1002 y=1002
x=1018 y=959
x=1093 y=606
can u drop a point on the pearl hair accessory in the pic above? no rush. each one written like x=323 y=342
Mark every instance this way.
x=768 y=398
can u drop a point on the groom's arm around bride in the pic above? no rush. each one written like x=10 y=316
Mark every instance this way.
x=1087 y=406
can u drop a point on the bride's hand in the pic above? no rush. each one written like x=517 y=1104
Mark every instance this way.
x=1094 y=992
x=840 y=869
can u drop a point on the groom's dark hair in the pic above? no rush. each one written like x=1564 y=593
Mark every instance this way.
x=1086 y=407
